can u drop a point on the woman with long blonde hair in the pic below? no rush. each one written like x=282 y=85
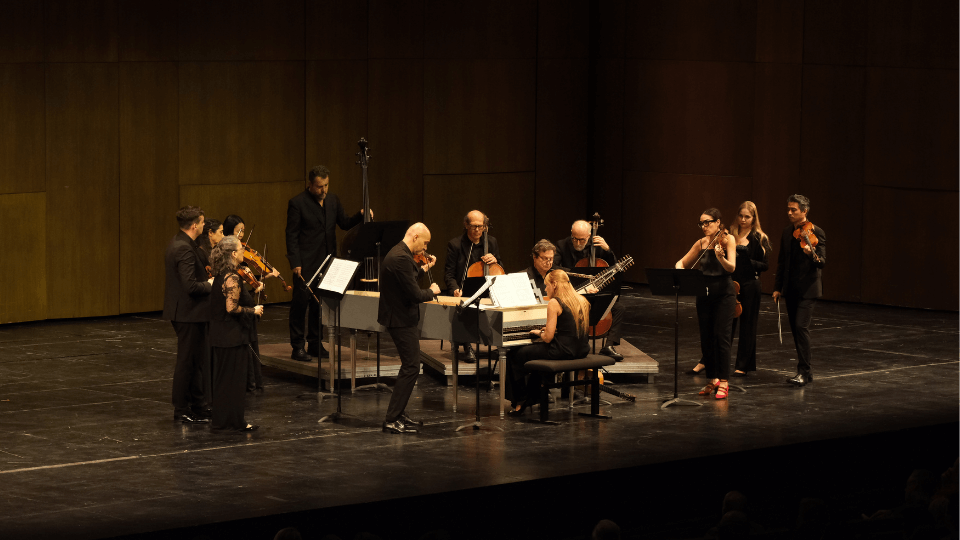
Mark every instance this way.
x=753 y=248
x=564 y=337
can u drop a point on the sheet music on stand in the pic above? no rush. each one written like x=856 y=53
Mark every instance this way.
x=512 y=290
x=338 y=275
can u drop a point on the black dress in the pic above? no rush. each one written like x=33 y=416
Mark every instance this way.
x=751 y=262
x=715 y=313
x=567 y=344
x=231 y=328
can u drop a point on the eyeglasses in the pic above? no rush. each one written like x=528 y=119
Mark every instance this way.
x=579 y=240
x=545 y=259
x=706 y=222
x=475 y=227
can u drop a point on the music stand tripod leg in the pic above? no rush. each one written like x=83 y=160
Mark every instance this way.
x=376 y=386
x=676 y=362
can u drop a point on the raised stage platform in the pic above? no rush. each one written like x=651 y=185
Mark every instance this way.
x=88 y=448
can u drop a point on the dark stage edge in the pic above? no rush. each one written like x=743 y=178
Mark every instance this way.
x=88 y=448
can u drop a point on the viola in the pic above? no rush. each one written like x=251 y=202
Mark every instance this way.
x=804 y=233
x=252 y=257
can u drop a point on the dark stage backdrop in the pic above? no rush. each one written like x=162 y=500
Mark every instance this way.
x=114 y=113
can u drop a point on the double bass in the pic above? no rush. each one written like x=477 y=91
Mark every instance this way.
x=370 y=269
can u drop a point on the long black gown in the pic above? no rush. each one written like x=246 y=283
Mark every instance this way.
x=231 y=329
x=751 y=262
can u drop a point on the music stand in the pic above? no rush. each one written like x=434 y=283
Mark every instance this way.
x=319 y=394
x=462 y=312
x=370 y=239
x=331 y=288
x=674 y=282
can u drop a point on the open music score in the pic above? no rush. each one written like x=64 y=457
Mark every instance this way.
x=512 y=290
x=338 y=275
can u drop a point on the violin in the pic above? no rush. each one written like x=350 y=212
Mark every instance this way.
x=591 y=260
x=480 y=268
x=244 y=274
x=251 y=257
x=424 y=258
x=738 y=309
x=804 y=233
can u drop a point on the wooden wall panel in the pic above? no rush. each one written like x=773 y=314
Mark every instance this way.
x=505 y=198
x=336 y=119
x=149 y=192
x=82 y=190
x=22 y=142
x=396 y=139
x=148 y=30
x=692 y=30
x=396 y=28
x=691 y=117
x=835 y=32
x=915 y=281
x=23 y=218
x=608 y=153
x=671 y=205
x=776 y=155
x=613 y=25
x=249 y=30
x=911 y=136
x=336 y=29
x=479 y=116
x=21 y=31
x=487 y=29
x=831 y=169
x=780 y=31
x=563 y=29
x=263 y=206
x=562 y=142
x=81 y=30
x=241 y=122
x=913 y=33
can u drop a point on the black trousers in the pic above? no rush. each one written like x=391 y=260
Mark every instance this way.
x=747 y=323
x=524 y=387
x=193 y=358
x=715 y=316
x=407 y=341
x=229 y=386
x=303 y=305
x=613 y=338
x=254 y=369
x=800 y=313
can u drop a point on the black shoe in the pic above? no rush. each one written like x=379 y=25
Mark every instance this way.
x=251 y=427
x=319 y=351
x=191 y=419
x=407 y=421
x=300 y=355
x=799 y=380
x=202 y=412
x=469 y=357
x=738 y=374
x=516 y=413
x=693 y=371
x=611 y=352
x=397 y=426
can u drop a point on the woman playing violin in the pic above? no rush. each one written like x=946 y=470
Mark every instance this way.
x=716 y=253
x=232 y=333
x=234 y=226
x=753 y=249
x=563 y=338
x=212 y=234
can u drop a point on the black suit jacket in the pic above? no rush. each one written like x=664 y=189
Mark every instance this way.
x=567 y=257
x=311 y=230
x=400 y=295
x=457 y=251
x=186 y=289
x=802 y=275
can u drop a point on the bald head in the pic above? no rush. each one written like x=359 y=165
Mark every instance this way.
x=417 y=238
x=580 y=227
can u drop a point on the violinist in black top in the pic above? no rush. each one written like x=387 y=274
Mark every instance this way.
x=232 y=332
x=399 y=312
x=575 y=247
x=716 y=253
x=312 y=220
x=464 y=251
x=753 y=248
x=798 y=279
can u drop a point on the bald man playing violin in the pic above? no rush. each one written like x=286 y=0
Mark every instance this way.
x=798 y=281
x=462 y=252
x=576 y=247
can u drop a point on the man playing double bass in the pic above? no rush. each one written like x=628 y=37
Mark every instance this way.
x=464 y=251
x=576 y=247
x=312 y=219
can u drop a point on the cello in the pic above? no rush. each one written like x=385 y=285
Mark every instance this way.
x=480 y=268
x=604 y=324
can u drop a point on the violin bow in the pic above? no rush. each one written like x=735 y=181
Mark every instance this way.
x=264 y=258
x=779 y=328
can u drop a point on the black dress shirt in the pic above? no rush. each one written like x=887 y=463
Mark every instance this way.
x=798 y=273
x=460 y=256
x=311 y=230
x=400 y=295
x=186 y=289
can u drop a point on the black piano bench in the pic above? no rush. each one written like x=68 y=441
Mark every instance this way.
x=551 y=367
